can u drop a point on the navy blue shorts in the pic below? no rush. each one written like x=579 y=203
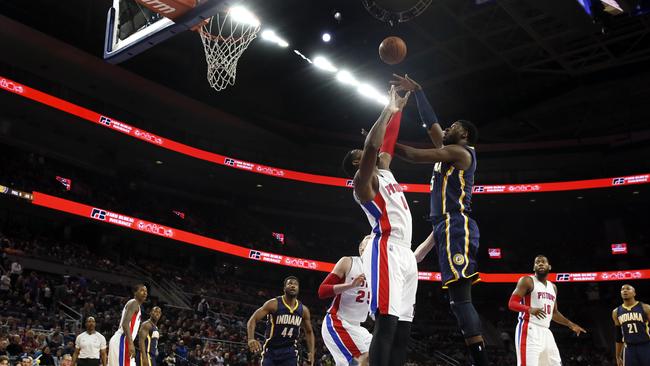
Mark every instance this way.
x=138 y=360
x=456 y=236
x=287 y=356
x=637 y=354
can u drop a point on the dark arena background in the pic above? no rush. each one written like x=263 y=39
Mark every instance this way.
x=121 y=164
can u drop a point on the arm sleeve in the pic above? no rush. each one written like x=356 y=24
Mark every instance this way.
x=392 y=130
x=427 y=114
x=516 y=305
x=326 y=288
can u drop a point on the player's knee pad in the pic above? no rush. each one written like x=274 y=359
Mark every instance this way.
x=468 y=319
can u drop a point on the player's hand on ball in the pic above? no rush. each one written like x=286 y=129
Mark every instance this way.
x=254 y=345
x=405 y=83
x=539 y=313
x=359 y=281
x=575 y=328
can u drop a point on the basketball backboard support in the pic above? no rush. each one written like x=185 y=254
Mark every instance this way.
x=132 y=28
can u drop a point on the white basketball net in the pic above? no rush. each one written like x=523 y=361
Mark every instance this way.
x=224 y=41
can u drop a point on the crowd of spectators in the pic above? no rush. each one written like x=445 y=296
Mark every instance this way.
x=35 y=323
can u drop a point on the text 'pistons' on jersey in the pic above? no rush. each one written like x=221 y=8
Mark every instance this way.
x=388 y=213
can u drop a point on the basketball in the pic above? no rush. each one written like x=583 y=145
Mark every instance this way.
x=392 y=50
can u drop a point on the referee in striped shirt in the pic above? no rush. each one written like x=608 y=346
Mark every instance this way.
x=90 y=347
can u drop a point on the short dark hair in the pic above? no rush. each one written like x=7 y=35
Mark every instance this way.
x=472 y=131
x=4 y=358
x=348 y=168
x=135 y=288
x=284 y=283
x=542 y=256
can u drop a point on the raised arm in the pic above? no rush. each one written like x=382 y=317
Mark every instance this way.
x=427 y=115
x=424 y=248
x=561 y=319
x=269 y=307
x=524 y=287
x=455 y=154
x=309 y=334
x=618 y=336
x=142 y=335
x=364 y=179
x=131 y=308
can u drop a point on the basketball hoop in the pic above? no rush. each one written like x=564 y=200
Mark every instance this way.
x=225 y=37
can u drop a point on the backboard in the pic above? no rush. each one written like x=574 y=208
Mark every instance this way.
x=132 y=27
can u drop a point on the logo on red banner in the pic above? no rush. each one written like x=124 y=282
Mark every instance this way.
x=620 y=275
x=494 y=253
x=254 y=254
x=619 y=248
x=269 y=171
x=11 y=86
x=155 y=229
x=238 y=164
x=116 y=125
x=144 y=135
x=297 y=262
x=98 y=214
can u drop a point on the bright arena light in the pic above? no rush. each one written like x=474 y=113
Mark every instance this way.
x=368 y=91
x=324 y=64
x=326 y=37
x=242 y=15
x=269 y=35
x=345 y=77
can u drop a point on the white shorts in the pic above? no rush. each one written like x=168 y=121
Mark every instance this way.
x=344 y=340
x=118 y=351
x=392 y=274
x=535 y=346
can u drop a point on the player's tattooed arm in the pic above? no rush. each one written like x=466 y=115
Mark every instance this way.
x=131 y=308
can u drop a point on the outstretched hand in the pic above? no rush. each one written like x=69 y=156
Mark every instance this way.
x=395 y=101
x=404 y=83
x=575 y=328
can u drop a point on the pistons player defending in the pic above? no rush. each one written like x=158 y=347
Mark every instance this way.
x=121 y=348
x=632 y=330
x=342 y=332
x=389 y=263
x=535 y=300
x=285 y=316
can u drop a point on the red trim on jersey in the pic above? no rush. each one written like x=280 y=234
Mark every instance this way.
x=384 y=277
x=340 y=329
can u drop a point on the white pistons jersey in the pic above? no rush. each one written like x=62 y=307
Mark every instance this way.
x=134 y=323
x=542 y=296
x=352 y=305
x=388 y=213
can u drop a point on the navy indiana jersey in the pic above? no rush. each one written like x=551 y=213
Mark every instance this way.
x=150 y=347
x=283 y=327
x=634 y=324
x=451 y=188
